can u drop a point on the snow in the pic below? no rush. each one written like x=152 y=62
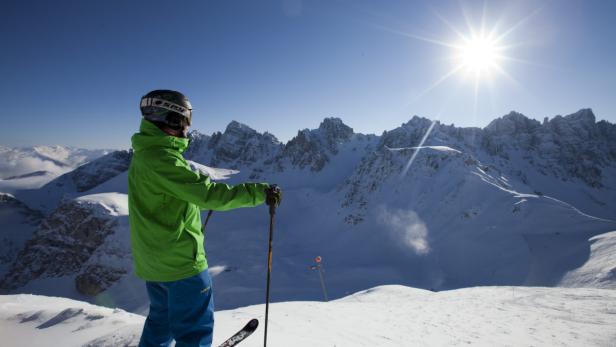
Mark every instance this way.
x=390 y=315
x=599 y=271
x=115 y=203
x=213 y=173
x=73 y=323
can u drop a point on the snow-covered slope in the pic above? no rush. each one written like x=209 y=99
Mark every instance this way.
x=40 y=321
x=382 y=316
x=516 y=203
x=598 y=271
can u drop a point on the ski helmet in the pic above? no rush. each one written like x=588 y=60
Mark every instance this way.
x=166 y=106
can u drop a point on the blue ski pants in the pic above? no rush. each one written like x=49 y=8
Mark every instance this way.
x=180 y=310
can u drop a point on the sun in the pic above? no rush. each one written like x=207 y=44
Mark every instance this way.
x=479 y=55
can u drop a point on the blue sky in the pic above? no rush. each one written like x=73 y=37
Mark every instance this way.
x=73 y=71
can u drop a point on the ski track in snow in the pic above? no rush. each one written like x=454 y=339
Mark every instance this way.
x=383 y=316
x=490 y=180
x=578 y=211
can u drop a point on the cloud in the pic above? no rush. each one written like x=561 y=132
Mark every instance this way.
x=21 y=166
x=406 y=227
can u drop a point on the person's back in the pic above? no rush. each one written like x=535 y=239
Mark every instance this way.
x=165 y=201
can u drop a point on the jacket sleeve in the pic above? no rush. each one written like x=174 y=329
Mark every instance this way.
x=174 y=177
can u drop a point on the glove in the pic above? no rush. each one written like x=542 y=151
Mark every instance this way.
x=273 y=195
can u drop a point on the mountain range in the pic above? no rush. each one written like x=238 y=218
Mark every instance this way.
x=428 y=205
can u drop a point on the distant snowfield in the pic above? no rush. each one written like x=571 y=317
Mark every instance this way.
x=383 y=316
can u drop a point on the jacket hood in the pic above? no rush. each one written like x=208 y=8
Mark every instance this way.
x=150 y=136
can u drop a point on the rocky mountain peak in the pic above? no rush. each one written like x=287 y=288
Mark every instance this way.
x=416 y=122
x=578 y=126
x=512 y=123
x=585 y=116
x=240 y=144
x=334 y=129
x=235 y=128
x=408 y=134
x=236 y=131
x=312 y=148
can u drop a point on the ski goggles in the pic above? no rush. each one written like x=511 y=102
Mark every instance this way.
x=168 y=105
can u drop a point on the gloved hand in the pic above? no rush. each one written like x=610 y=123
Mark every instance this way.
x=273 y=195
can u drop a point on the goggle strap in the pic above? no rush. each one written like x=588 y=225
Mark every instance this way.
x=156 y=102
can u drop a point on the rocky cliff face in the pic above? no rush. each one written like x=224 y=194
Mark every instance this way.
x=66 y=244
x=574 y=146
x=313 y=148
x=239 y=146
x=18 y=224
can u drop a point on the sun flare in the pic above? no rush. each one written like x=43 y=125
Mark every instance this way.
x=479 y=55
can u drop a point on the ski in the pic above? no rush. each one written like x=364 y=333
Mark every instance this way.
x=242 y=334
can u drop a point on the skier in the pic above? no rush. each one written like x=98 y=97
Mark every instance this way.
x=165 y=198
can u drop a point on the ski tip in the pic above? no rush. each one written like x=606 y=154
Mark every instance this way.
x=253 y=324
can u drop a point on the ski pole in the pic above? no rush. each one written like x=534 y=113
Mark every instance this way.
x=272 y=212
x=207 y=219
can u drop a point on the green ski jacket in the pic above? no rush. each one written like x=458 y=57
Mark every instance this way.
x=164 y=200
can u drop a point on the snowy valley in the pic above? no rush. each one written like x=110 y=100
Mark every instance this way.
x=435 y=207
x=390 y=316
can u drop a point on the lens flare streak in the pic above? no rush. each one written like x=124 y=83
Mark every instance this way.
x=423 y=140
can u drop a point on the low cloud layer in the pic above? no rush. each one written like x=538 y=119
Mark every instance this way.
x=27 y=165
